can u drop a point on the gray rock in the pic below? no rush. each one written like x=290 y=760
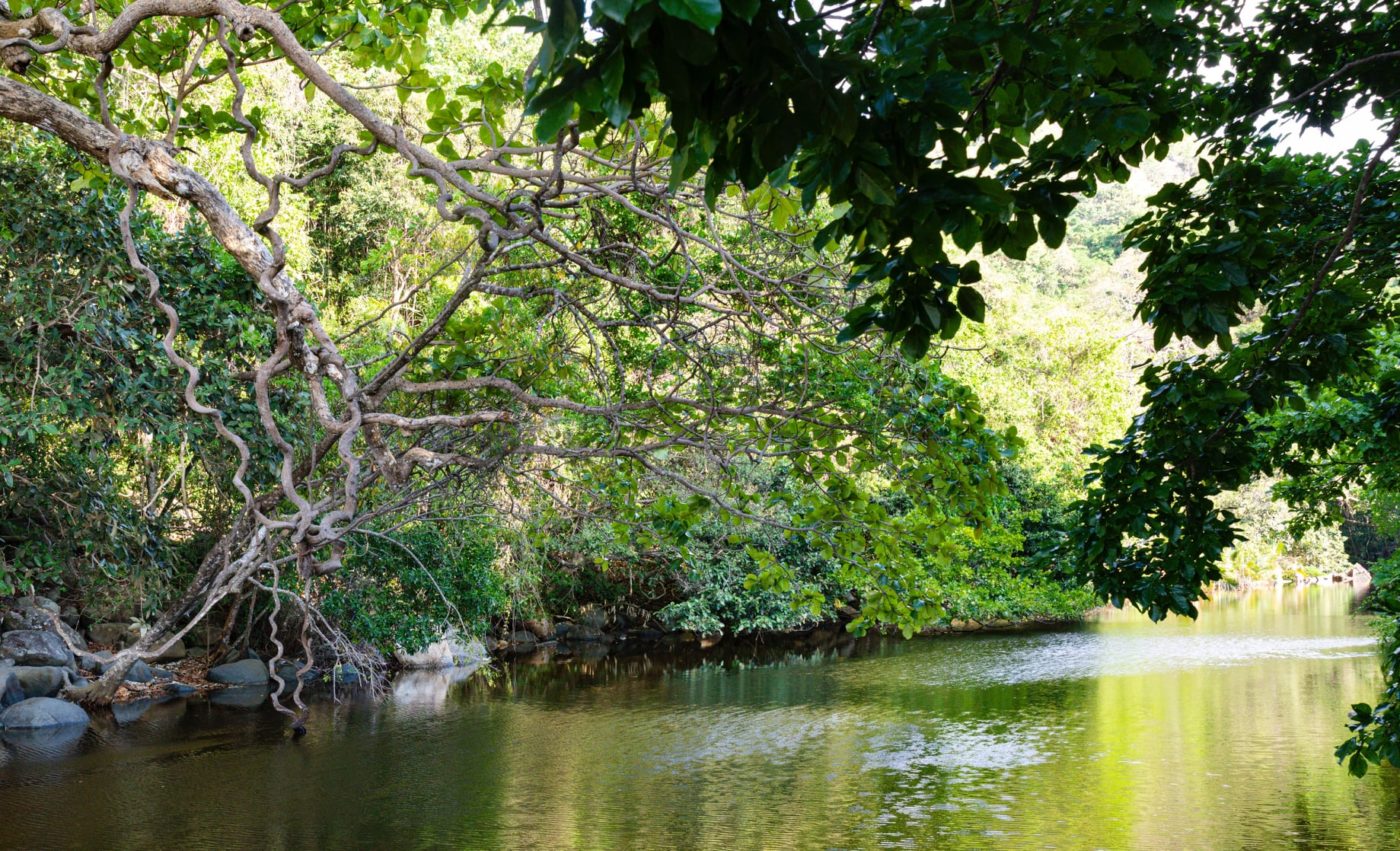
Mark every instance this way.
x=173 y=653
x=247 y=672
x=522 y=641
x=40 y=613
x=35 y=647
x=345 y=675
x=162 y=674
x=113 y=634
x=96 y=662
x=139 y=672
x=240 y=697
x=11 y=690
x=30 y=613
x=40 y=681
x=132 y=710
x=39 y=712
x=70 y=616
x=585 y=632
x=287 y=670
x=593 y=617
x=179 y=689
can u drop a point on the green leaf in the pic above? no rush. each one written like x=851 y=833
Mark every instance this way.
x=1357 y=765
x=1052 y=230
x=615 y=9
x=704 y=14
x=971 y=303
x=875 y=186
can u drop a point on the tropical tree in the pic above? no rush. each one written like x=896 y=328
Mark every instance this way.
x=877 y=142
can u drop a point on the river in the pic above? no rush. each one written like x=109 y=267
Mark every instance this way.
x=1120 y=734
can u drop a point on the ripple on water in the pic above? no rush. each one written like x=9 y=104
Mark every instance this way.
x=1082 y=655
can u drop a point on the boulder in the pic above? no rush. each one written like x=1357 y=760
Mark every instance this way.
x=139 y=672
x=11 y=690
x=40 y=613
x=240 y=697
x=542 y=629
x=287 y=670
x=40 y=712
x=345 y=675
x=173 y=653
x=449 y=651
x=113 y=634
x=592 y=616
x=29 y=613
x=521 y=641
x=245 y=672
x=584 y=632
x=40 y=681
x=131 y=710
x=35 y=647
x=162 y=674
x=179 y=689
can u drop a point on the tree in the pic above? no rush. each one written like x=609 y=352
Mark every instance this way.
x=899 y=134
x=605 y=322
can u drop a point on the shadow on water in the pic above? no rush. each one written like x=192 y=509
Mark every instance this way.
x=1117 y=734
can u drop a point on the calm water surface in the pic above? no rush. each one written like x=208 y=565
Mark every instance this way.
x=1121 y=734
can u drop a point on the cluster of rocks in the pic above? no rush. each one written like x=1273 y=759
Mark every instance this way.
x=38 y=663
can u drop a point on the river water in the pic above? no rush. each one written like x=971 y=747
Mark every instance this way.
x=1120 y=734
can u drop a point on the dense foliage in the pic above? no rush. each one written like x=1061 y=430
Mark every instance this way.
x=686 y=239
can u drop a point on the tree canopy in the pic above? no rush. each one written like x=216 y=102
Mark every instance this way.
x=704 y=225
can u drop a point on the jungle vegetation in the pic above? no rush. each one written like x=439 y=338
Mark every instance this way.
x=769 y=308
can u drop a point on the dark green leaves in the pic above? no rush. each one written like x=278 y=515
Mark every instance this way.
x=971 y=304
x=704 y=14
x=924 y=123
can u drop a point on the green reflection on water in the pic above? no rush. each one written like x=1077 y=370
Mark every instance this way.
x=1121 y=734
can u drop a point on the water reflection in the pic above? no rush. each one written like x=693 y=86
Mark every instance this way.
x=1121 y=734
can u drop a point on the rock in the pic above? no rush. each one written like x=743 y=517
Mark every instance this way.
x=173 y=653
x=35 y=647
x=40 y=613
x=592 y=616
x=179 y=689
x=287 y=670
x=240 y=697
x=11 y=689
x=708 y=641
x=562 y=630
x=450 y=651
x=246 y=672
x=132 y=710
x=345 y=675
x=139 y=672
x=193 y=652
x=40 y=681
x=521 y=641
x=117 y=635
x=585 y=632
x=162 y=674
x=70 y=616
x=40 y=712
x=30 y=613
x=542 y=629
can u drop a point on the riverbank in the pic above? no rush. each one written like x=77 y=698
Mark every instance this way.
x=1353 y=575
x=45 y=650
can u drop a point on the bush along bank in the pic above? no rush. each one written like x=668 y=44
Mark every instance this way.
x=591 y=586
